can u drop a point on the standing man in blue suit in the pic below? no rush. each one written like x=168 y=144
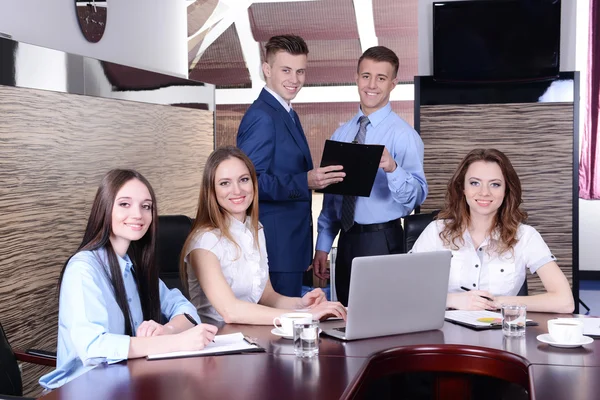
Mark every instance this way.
x=271 y=135
x=372 y=225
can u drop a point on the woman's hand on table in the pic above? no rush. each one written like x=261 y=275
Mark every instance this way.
x=471 y=300
x=313 y=298
x=329 y=309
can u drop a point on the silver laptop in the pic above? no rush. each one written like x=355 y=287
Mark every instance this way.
x=393 y=294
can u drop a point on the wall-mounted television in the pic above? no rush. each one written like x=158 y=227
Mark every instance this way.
x=496 y=40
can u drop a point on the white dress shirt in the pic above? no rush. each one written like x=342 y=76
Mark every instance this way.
x=482 y=269
x=91 y=328
x=245 y=268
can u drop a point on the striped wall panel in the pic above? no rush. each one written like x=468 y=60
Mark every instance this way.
x=538 y=139
x=55 y=147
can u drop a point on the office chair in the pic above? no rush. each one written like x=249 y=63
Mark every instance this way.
x=454 y=370
x=173 y=230
x=11 y=386
x=414 y=225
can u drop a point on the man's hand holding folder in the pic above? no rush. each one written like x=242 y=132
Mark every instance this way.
x=320 y=178
x=360 y=163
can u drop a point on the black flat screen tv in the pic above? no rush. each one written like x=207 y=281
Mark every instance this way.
x=496 y=40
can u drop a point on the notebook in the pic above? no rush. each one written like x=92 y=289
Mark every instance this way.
x=224 y=344
x=478 y=320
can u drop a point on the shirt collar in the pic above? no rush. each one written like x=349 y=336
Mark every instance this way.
x=237 y=225
x=125 y=264
x=378 y=116
x=279 y=99
x=494 y=237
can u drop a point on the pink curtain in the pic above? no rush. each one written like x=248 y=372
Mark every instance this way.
x=589 y=163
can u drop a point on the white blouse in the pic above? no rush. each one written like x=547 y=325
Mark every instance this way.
x=246 y=269
x=477 y=269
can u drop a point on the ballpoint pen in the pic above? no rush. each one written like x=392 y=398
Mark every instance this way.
x=192 y=320
x=189 y=318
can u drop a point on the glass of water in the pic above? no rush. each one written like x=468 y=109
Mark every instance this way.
x=514 y=317
x=306 y=339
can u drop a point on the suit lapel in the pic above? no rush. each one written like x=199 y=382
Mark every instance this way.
x=295 y=129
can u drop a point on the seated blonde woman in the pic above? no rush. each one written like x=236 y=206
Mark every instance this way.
x=492 y=248
x=224 y=262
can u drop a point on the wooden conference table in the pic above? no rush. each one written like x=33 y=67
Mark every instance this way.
x=554 y=373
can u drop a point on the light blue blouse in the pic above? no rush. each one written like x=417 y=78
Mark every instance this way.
x=90 y=322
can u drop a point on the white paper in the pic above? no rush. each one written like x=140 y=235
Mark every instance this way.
x=471 y=317
x=223 y=343
x=591 y=326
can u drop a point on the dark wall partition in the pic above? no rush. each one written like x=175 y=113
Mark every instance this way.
x=535 y=125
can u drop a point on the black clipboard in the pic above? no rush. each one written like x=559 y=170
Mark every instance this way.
x=256 y=349
x=251 y=346
x=360 y=162
x=487 y=327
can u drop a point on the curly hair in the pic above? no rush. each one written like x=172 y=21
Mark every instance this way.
x=456 y=214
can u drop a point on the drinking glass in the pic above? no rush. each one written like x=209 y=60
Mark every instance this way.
x=306 y=339
x=514 y=317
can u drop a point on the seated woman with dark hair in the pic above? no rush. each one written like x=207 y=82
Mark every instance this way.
x=483 y=225
x=111 y=301
x=224 y=260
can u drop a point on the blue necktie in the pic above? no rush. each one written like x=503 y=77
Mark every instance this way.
x=349 y=202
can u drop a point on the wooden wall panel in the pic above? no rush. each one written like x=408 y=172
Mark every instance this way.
x=538 y=139
x=55 y=147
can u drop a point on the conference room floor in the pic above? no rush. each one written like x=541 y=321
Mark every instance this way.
x=336 y=373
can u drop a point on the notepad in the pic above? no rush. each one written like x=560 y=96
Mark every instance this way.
x=223 y=344
x=478 y=319
x=591 y=326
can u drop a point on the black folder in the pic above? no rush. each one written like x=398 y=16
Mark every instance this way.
x=360 y=162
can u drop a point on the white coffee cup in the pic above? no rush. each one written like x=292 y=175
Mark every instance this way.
x=566 y=330
x=287 y=321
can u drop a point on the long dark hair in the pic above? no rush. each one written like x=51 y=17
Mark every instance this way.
x=141 y=252
x=210 y=215
x=456 y=213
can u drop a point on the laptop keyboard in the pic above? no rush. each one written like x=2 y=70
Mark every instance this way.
x=342 y=329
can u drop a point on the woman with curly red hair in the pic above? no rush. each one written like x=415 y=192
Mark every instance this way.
x=483 y=225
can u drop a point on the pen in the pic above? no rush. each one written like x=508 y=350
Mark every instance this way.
x=192 y=320
x=189 y=318
x=249 y=340
x=468 y=290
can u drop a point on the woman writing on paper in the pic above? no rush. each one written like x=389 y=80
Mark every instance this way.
x=112 y=303
x=482 y=224
x=224 y=261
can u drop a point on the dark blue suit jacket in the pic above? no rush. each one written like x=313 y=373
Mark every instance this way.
x=279 y=150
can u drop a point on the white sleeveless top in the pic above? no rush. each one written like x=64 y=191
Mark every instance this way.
x=246 y=269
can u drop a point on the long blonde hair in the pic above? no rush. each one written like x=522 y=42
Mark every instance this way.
x=210 y=215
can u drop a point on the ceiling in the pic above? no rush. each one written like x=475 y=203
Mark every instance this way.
x=226 y=37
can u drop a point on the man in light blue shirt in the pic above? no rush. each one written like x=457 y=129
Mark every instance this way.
x=91 y=325
x=372 y=225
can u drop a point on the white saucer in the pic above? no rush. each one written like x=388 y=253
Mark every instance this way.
x=278 y=332
x=546 y=338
